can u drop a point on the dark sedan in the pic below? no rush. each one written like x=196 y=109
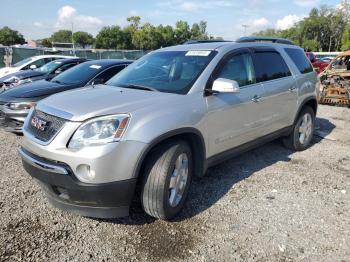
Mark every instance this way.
x=16 y=103
x=47 y=71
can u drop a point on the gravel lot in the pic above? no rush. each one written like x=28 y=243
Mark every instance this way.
x=267 y=205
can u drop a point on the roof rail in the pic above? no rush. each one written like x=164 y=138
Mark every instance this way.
x=277 y=40
x=190 y=42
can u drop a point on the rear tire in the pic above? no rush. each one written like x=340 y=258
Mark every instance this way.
x=303 y=130
x=167 y=178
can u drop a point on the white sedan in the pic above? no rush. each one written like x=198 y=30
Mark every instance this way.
x=30 y=63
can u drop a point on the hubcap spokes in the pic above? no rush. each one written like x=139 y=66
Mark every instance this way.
x=178 y=180
x=305 y=129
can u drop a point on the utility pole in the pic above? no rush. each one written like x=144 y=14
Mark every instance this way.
x=245 y=29
x=73 y=39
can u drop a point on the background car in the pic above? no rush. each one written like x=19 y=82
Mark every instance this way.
x=47 y=71
x=16 y=103
x=30 y=63
x=318 y=64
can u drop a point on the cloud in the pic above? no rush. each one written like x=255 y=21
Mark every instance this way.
x=67 y=15
x=193 y=6
x=307 y=3
x=260 y=22
x=38 y=24
x=287 y=22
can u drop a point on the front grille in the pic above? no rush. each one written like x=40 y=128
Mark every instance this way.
x=54 y=125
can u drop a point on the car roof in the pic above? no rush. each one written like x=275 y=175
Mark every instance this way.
x=109 y=62
x=68 y=60
x=223 y=46
x=51 y=56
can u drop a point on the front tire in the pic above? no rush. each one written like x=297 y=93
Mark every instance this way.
x=303 y=130
x=167 y=178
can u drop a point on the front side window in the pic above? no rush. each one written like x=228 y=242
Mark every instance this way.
x=270 y=66
x=239 y=68
x=167 y=71
x=106 y=75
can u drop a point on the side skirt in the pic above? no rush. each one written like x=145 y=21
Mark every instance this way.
x=221 y=157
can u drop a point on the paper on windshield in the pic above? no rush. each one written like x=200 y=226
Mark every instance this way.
x=198 y=53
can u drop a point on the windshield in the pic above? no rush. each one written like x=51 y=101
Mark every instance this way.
x=49 y=67
x=168 y=71
x=78 y=74
x=22 y=62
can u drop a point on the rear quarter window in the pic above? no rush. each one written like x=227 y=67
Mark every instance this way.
x=270 y=65
x=300 y=60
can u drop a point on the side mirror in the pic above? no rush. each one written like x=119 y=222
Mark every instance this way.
x=58 y=71
x=97 y=81
x=32 y=67
x=222 y=85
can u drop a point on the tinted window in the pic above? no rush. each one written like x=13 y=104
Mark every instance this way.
x=300 y=60
x=239 y=68
x=109 y=73
x=79 y=74
x=65 y=67
x=270 y=65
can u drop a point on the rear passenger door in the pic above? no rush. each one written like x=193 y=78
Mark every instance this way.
x=280 y=96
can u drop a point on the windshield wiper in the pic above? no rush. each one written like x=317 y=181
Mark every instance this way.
x=141 y=87
x=56 y=81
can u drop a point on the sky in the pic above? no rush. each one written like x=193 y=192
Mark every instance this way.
x=40 y=18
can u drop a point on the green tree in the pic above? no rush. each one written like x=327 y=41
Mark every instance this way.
x=346 y=39
x=83 y=39
x=147 y=38
x=46 y=43
x=167 y=35
x=182 y=32
x=9 y=37
x=62 y=36
x=111 y=37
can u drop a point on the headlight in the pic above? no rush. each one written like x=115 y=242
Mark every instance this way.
x=23 y=81
x=11 y=80
x=99 y=131
x=20 y=105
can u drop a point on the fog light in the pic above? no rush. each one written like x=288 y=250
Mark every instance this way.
x=84 y=173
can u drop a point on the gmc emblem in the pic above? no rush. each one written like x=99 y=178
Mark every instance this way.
x=39 y=123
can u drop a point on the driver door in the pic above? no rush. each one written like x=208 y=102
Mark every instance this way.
x=235 y=118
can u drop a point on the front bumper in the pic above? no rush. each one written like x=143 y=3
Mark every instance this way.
x=66 y=192
x=12 y=121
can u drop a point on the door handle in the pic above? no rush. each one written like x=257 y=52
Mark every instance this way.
x=256 y=98
x=292 y=88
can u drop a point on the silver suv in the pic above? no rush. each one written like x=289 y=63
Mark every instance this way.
x=165 y=119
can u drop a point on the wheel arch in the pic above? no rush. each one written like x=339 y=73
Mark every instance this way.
x=191 y=135
x=310 y=101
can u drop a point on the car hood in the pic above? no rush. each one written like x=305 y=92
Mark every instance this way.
x=7 y=70
x=22 y=75
x=36 y=89
x=85 y=103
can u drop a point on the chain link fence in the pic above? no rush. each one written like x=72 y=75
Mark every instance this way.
x=12 y=55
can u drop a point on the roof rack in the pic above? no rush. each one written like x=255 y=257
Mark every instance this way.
x=277 y=40
x=190 y=42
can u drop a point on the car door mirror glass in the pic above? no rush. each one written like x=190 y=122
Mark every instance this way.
x=222 y=85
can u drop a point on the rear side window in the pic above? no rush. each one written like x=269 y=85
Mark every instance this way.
x=270 y=66
x=300 y=60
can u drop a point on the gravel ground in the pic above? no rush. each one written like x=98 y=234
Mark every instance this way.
x=269 y=204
